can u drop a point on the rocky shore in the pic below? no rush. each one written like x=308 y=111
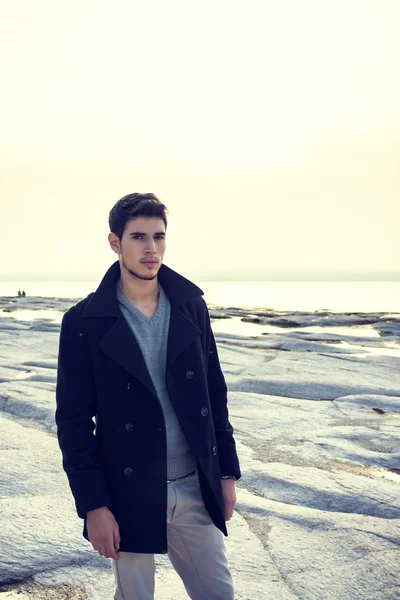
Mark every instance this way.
x=315 y=403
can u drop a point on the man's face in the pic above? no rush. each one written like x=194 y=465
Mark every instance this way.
x=141 y=249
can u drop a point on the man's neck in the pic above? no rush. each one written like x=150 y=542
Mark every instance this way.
x=140 y=292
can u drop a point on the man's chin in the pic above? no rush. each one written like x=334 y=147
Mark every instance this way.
x=152 y=274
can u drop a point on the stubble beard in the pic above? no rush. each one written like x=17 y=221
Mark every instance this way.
x=135 y=274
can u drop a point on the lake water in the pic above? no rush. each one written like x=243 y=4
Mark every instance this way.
x=360 y=296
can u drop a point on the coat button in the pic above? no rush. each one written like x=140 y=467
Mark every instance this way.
x=189 y=374
x=204 y=411
x=129 y=426
x=129 y=386
x=128 y=471
x=214 y=450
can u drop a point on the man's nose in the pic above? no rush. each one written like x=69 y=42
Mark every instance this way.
x=151 y=246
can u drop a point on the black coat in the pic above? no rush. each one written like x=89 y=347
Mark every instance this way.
x=120 y=459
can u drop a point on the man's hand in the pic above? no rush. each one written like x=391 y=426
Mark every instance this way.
x=103 y=532
x=229 y=495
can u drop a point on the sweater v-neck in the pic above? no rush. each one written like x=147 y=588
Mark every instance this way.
x=133 y=308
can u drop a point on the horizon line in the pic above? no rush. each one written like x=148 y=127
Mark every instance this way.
x=240 y=276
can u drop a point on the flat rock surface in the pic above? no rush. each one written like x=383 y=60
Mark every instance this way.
x=315 y=402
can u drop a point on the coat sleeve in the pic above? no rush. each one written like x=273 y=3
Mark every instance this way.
x=218 y=392
x=76 y=407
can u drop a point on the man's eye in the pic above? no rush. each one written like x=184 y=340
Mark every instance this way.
x=160 y=237
x=136 y=237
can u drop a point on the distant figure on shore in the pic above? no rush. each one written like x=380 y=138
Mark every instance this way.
x=19 y=293
x=23 y=293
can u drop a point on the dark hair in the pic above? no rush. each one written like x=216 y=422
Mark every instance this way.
x=132 y=206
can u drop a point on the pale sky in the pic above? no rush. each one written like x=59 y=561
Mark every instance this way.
x=270 y=129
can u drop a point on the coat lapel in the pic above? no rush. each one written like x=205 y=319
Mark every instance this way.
x=182 y=331
x=120 y=344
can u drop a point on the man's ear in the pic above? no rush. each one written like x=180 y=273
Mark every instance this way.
x=114 y=242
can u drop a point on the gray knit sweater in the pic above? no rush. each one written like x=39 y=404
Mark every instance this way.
x=151 y=335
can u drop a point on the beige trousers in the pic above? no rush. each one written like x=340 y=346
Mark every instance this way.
x=196 y=549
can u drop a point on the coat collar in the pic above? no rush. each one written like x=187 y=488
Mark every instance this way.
x=104 y=301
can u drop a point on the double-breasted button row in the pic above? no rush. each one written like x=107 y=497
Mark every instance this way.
x=128 y=471
x=204 y=411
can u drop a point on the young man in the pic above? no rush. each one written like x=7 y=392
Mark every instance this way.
x=158 y=474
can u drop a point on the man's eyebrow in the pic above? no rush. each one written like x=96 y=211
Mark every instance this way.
x=143 y=233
